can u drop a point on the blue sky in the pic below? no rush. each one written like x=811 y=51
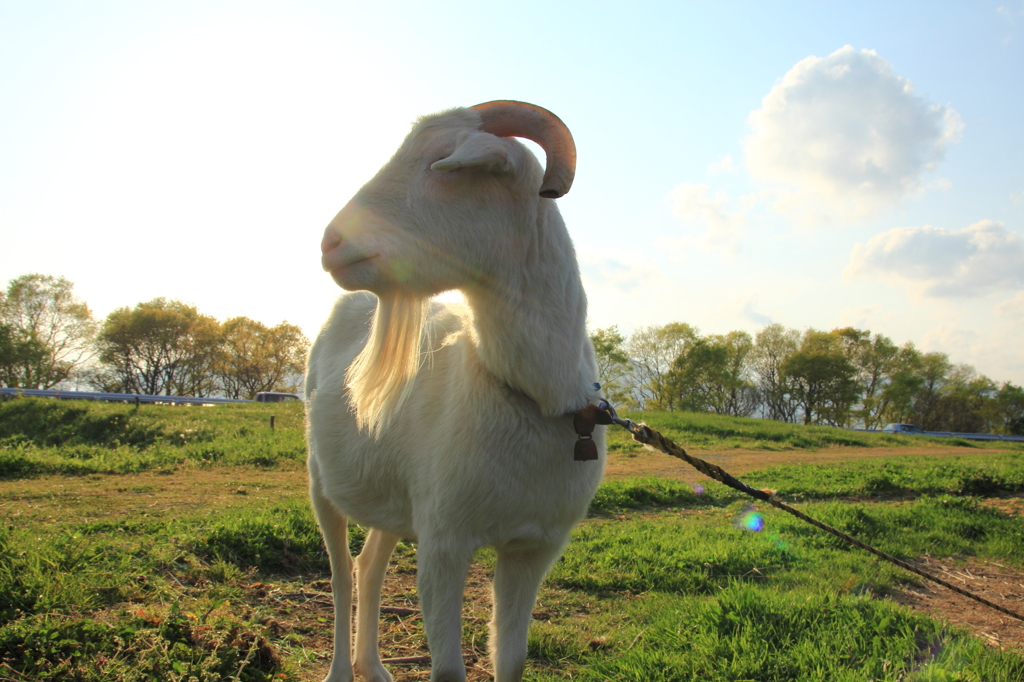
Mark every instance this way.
x=815 y=164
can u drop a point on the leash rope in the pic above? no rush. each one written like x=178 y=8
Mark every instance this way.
x=648 y=436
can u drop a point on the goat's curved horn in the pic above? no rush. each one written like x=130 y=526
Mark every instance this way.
x=508 y=118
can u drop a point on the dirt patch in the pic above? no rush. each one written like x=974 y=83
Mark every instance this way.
x=94 y=497
x=86 y=499
x=308 y=610
x=997 y=583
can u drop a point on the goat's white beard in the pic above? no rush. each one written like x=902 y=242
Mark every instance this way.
x=380 y=379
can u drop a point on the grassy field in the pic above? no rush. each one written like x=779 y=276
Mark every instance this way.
x=720 y=433
x=177 y=544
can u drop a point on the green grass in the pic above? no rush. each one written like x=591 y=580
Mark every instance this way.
x=699 y=553
x=678 y=595
x=710 y=431
x=744 y=632
x=641 y=493
x=963 y=475
x=679 y=590
x=663 y=582
x=42 y=437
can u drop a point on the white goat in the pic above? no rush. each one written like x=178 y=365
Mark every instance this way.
x=453 y=424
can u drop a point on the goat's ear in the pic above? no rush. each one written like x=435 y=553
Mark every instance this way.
x=478 y=150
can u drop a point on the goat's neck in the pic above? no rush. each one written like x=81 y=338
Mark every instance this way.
x=530 y=325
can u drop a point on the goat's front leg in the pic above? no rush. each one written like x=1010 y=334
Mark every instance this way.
x=517 y=577
x=371 y=565
x=441 y=578
x=335 y=529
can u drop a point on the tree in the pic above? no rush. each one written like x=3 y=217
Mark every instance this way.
x=932 y=370
x=159 y=347
x=709 y=376
x=875 y=361
x=773 y=346
x=652 y=350
x=698 y=376
x=822 y=379
x=613 y=367
x=896 y=400
x=16 y=353
x=52 y=328
x=740 y=393
x=1011 y=405
x=255 y=358
x=966 y=403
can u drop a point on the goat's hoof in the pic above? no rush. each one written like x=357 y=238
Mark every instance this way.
x=340 y=674
x=373 y=672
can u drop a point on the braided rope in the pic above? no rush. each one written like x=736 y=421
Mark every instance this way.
x=648 y=436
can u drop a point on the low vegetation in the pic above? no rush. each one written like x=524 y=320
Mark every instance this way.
x=39 y=437
x=696 y=430
x=215 y=571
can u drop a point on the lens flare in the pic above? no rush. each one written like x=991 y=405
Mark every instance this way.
x=777 y=540
x=750 y=520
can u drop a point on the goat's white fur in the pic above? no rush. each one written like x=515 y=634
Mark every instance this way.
x=449 y=424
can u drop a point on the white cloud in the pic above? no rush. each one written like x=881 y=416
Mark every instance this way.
x=726 y=227
x=992 y=351
x=748 y=312
x=1018 y=197
x=621 y=272
x=862 y=317
x=1008 y=12
x=935 y=262
x=1012 y=308
x=844 y=137
x=960 y=343
x=723 y=165
x=627 y=289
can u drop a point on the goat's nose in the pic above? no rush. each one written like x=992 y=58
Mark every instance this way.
x=331 y=239
x=349 y=222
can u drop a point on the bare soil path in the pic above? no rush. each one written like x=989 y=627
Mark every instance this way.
x=93 y=497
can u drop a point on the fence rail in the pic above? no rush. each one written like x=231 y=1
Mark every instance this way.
x=115 y=397
x=950 y=434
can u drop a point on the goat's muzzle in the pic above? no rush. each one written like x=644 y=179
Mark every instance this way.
x=349 y=264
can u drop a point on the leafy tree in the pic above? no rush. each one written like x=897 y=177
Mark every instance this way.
x=613 y=366
x=905 y=381
x=966 y=403
x=709 y=376
x=16 y=353
x=822 y=379
x=254 y=357
x=741 y=396
x=652 y=350
x=697 y=377
x=875 y=359
x=932 y=370
x=160 y=347
x=1011 y=407
x=51 y=330
x=773 y=346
